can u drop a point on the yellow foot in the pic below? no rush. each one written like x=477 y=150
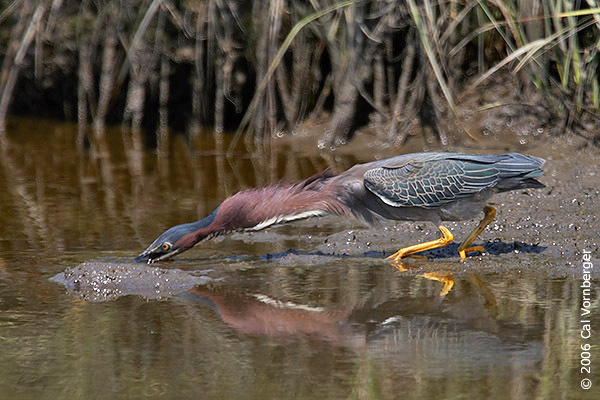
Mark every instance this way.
x=463 y=253
x=434 y=244
x=396 y=257
x=464 y=248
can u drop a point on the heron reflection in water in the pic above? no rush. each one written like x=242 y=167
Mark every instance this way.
x=433 y=187
x=260 y=314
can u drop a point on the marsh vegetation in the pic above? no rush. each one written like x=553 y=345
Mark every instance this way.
x=266 y=68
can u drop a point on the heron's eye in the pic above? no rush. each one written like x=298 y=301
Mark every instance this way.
x=166 y=246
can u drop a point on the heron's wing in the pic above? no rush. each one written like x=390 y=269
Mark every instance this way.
x=430 y=183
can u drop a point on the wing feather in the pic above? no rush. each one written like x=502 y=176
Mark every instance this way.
x=430 y=183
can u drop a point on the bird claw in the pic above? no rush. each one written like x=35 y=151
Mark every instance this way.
x=397 y=257
x=463 y=252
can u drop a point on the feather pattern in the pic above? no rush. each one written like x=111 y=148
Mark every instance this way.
x=431 y=180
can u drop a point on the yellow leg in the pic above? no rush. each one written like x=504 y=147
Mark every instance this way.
x=434 y=244
x=463 y=249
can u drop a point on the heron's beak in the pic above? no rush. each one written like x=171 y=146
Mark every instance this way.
x=143 y=257
x=151 y=255
x=171 y=242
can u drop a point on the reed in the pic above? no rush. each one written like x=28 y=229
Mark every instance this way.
x=260 y=68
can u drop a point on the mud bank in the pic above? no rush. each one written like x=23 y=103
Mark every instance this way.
x=97 y=281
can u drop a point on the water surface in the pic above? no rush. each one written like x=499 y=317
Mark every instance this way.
x=304 y=311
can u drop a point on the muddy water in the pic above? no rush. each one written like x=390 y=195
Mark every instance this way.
x=304 y=311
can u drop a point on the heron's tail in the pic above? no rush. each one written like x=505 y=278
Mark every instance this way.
x=517 y=171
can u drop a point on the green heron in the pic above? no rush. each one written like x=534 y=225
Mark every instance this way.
x=432 y=187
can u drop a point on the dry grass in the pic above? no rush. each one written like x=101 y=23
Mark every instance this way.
x=265 y=67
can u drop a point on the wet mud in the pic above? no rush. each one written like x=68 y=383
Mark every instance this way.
x=100 y=281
